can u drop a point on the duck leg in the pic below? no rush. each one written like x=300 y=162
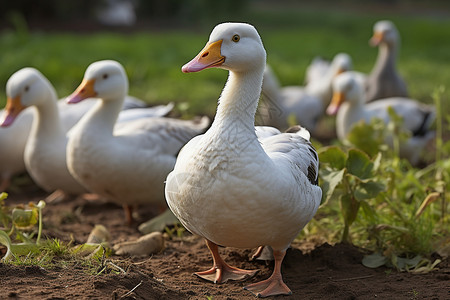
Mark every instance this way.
x=274 y=285
x=5 y=182
x=128 y=209
x=263 y=253
x=221 y=271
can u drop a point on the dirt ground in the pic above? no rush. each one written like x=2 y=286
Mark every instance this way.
x=326 y=272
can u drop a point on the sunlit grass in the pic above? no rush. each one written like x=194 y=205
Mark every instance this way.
x=292 y=37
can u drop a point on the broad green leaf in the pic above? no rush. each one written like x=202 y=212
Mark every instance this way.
x=374 y=260
x=406 y=263
x=330 y=180
x=25 y=218
x=368 y=190
x=6 y=241
x=365 y=137
x=333 y=156
x=359 y=164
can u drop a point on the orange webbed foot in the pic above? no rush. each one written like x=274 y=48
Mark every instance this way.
x=225 y=272
x=269 y=287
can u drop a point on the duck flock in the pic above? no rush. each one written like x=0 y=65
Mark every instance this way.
x=227 y=181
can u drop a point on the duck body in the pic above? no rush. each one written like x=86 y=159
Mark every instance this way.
x=13 y=140
x=233 y=188
x=379 y=109
x=103 y=162
x=127 y=164
x=225 y=217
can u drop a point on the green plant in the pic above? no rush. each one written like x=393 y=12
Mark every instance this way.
x=23 y=248
x=351 y=178
x=393 y=208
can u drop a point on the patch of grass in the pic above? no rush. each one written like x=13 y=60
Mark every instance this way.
x=292 y=37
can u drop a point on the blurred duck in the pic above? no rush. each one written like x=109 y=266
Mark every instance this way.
x=232 y=188
x=44 y=156
x=316 y=70
x=45 y=150
x=384 y=80
x=128 y=165
x=13 y=137
x=350 y=105
x=307 y=104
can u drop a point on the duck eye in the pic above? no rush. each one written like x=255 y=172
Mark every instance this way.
x=236 y=38
x=105 y=76
x=27 y=88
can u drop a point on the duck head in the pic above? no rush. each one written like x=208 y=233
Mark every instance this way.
x=25 y=88
x=384 y=32
x=346 y=87
x=104 y=79
x=235 y=47
x=342 y=62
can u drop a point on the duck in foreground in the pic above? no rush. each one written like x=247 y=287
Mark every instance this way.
x=128 y=163
x=232 y=188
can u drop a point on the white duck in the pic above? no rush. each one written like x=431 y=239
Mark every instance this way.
x=350 y=105
x=45 y=151
x=307 y=104
x=232 y=188
x=127 y=165
x=384 y=80
x=14 y=137
x=316 y=69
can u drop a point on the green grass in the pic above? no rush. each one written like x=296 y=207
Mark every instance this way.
x=292 y=37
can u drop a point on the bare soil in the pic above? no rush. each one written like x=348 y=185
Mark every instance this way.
x=325 y=272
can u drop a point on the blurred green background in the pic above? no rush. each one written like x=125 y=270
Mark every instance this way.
x=61 y=38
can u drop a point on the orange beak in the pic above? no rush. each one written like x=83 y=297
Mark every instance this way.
x=340 y=71
x=376 y=39
x=209 y=57
x=84 y=91
x=336 y=102
x=12 y=110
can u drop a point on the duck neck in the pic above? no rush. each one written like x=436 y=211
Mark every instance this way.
x=103 y=116
x=47 y=122
x=239 y=101
x=386 y=58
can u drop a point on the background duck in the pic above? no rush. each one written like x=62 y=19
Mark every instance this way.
x=350 y=105
x=306 y=104
x=13 y=138
x=127 y=165
x=232 y=188
x=384 y=80
x=45 y=150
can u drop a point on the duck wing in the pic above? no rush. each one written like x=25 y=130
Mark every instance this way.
x=293 y=149
x=166 y=135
